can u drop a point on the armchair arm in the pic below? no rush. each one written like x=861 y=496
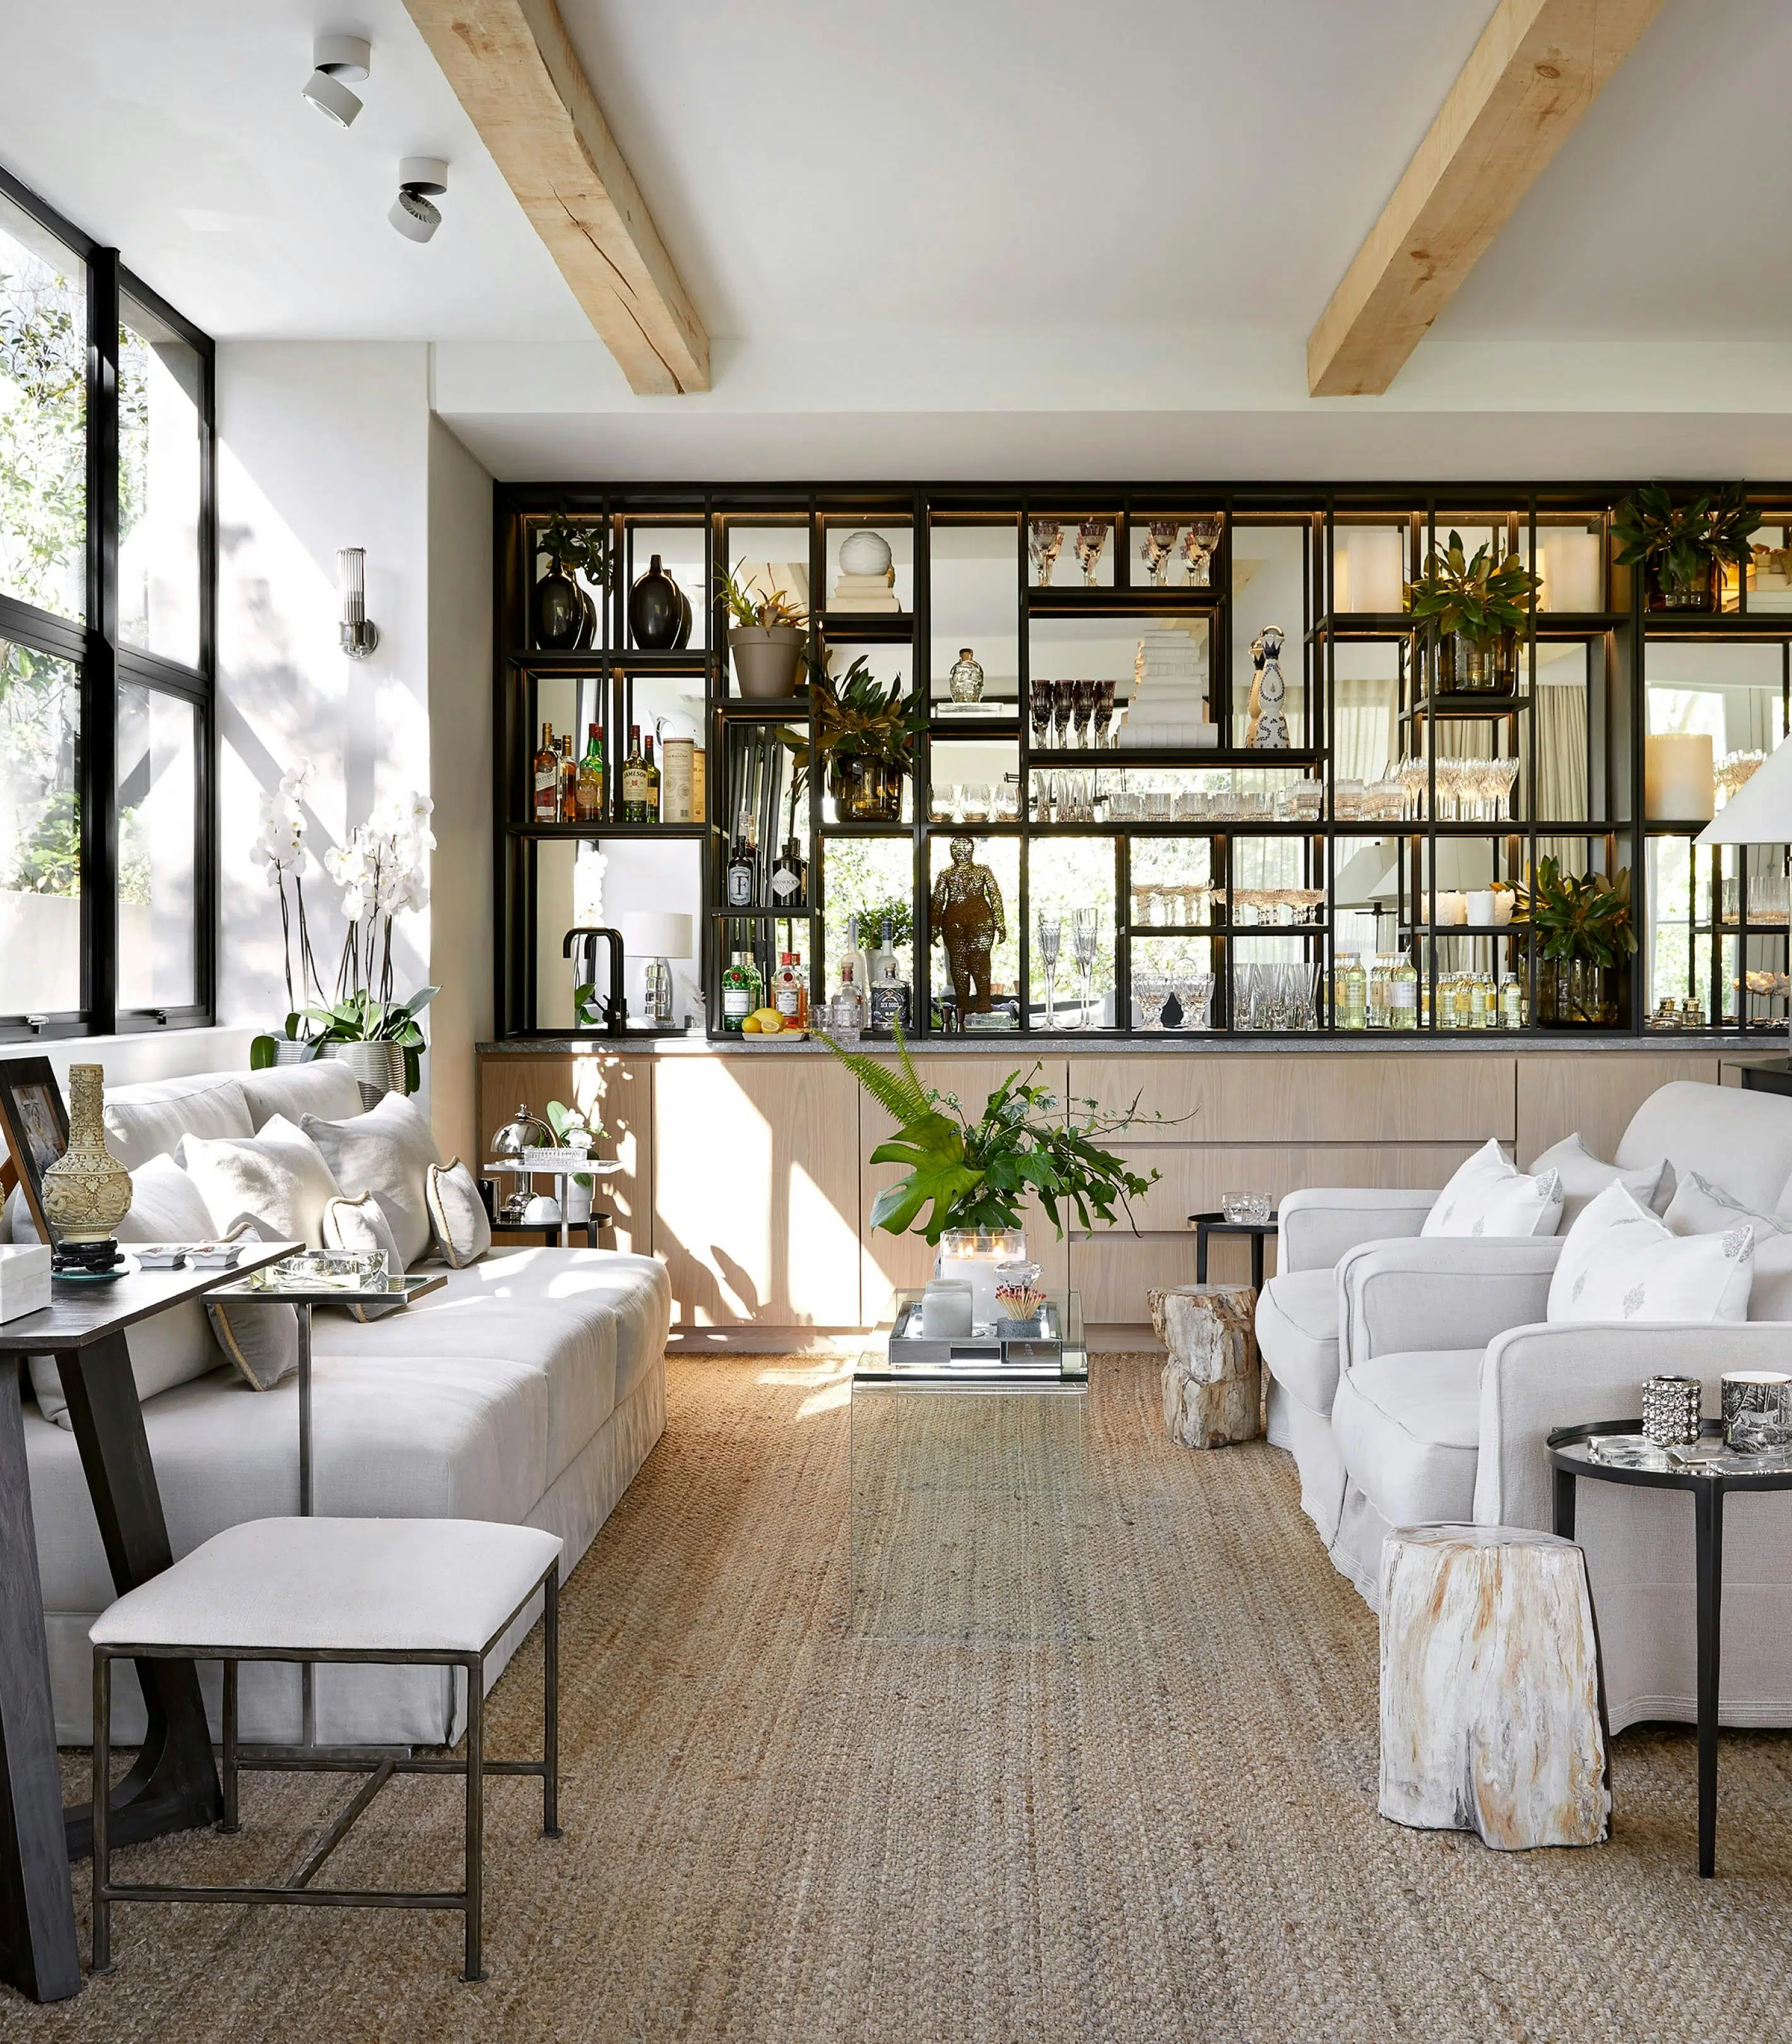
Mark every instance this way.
x=1535 y=1379
x=1319 y=1224
x=1450 y=1291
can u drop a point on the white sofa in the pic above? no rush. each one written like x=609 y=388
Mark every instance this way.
x=1416 y=1381
x=529 y=1389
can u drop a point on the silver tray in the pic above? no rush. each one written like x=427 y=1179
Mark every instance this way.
x=1001 y=1344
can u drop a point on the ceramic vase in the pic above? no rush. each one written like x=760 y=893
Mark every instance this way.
x=562 y=613
x=865 y=554
x=657 y=609
x=86 y=1192
x=379 y=1069
x=765 y=660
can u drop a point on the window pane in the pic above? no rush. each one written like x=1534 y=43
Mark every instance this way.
x=40 y=834
x=157 y=762
x=159 y=422
x=43 y=418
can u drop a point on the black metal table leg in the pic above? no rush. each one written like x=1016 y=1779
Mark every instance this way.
x=174 y=1786
x=1257 y=1264
x=38 y=1949
x=1201 y=1252
x=1708 y=1519
x=1565 y=1504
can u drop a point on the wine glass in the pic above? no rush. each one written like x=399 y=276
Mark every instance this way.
x=1091 y=538
x=1194 y=995
x=1086 y=930
x=1063 y=706
x=1159 y=542
x=1051 y=937
x=1039 y=711
x=1104 y=711
x=1083 y=697
x=1044 y=537
x=1198 y=544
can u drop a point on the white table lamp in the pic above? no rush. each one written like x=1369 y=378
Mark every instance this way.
x=1759 y=813
x=657 y=936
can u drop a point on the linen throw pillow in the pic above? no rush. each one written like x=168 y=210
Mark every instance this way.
x=388 y=1151
x=261 y=1340
x=1700 y=1207
x=277 y=1179
x=361 y=1227
x=1620 y=1262
x=1584 y=1176
x=170 y=1347
x=1488 y=1197
x=463 y=1227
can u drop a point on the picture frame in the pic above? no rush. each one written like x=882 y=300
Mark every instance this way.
x=34 y=1119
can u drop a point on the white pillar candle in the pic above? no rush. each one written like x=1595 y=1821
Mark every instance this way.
x=1679 y=778
x=945 y=1310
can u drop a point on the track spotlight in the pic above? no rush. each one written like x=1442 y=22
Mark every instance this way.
x=334 y=60
x=420 y=180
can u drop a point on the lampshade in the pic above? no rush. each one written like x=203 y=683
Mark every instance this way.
x=654 y=933
x=1760 y=811
x=1678 y=784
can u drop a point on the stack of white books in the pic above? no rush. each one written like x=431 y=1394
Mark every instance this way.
x=1169 y=705
x=865 y=592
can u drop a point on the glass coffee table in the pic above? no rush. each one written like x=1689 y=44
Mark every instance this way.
x=968 y=1488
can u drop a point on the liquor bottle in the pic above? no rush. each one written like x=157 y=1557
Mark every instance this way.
x=740 y=990
x=1350 y=993
x=889 y=992
x=790 y=991
x=591 y=780
x=569 y=782
x=650 y=785
x=677 y=758
x=846 y=1012
x=1512 y=1002
x=547 y=774
x=634 y=780
x=740 y=865
x=786 y=878
x=1403 y=994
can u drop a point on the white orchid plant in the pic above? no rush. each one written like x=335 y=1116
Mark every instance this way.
x=383 y=871
x=279 y=850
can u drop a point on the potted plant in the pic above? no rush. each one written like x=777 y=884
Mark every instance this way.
x=766 y=640
x=966 y=1174
x=1681 y=547
x=1479 y=606
x=563 y=615
x=382 y=871
x=1584 y=933
x=864 y=740
x=574 y=1129
x=279 y=848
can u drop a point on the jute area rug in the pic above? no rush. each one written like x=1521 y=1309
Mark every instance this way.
x=775 y=1830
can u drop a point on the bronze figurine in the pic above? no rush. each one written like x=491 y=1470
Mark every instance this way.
x=966 y=915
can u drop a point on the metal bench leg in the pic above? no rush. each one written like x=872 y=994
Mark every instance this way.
x=102 y=1811
x=551 y=1705
x=229 y=1822
x=475 y=1813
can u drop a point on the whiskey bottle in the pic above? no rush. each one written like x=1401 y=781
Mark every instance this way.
x=740 y=865
x=569 y=782
x=889 y=992
x=740 y=990
x=650 y=785
x=790 y=991
x=546 y=808
x=591 y=780
x=786 y=878
x=634 y=780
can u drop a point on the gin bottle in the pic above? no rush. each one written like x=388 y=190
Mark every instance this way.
x=846 y=1012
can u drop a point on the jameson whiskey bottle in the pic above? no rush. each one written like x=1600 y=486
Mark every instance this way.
x=740 y=989
x=650 y=786
x=634 y=780
x=569 y=782
x=741 y=864
x=547 y=802
x=591 y=780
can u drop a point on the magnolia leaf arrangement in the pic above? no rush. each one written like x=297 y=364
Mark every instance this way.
x=750 y=607
x=1474 y=597
x=1581 y=916
x=966 y=1173
x=858 y=718
x=575 y=549
x=1678 y=542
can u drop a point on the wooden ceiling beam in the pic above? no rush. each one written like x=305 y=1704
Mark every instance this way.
x=1538 y=66
x=514 y=70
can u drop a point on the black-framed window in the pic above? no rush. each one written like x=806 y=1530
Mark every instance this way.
x=108 y=617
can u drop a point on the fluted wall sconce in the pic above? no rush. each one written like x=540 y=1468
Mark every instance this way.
x=359 y=636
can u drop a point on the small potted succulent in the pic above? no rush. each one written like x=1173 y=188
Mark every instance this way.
x=864 y=740
x=1681 y=547
x=1479 y=606
x=766 y=640
x=1584 y=933
x=562 y=615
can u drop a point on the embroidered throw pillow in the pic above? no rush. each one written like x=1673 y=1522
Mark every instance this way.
x=277 y=1179
x=1584 y=1176
x=1620 y=1262
x=1700 y=1207
x=1488 y=1197
x=463 y=1227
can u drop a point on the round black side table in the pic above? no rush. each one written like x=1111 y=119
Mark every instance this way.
x=1205 y=1224
x=1569 y=1451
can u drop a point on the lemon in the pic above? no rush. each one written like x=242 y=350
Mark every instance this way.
x=751 y=1026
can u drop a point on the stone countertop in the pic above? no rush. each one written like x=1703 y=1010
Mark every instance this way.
x=1665 y=1043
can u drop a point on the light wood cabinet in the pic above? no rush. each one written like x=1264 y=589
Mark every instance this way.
x=619 y=1089
x=1595 y=1093
x=755 y=1188
x=1193 y=1180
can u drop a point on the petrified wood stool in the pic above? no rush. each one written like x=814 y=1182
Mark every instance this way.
x=1213 y=1380
x=1491 y=1709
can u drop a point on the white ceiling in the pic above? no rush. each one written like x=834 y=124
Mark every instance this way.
x=961 y=236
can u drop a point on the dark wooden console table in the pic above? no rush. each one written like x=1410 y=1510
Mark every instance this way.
x=174 y=1786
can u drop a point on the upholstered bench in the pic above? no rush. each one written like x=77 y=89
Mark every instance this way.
x=435 y=1591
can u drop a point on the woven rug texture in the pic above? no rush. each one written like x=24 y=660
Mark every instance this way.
x=1155 y=1822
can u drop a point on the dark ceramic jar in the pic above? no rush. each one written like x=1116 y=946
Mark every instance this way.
x=657 y=608
x=563 y=614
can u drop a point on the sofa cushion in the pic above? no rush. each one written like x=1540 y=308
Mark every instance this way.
x=1700 y=1207
x=1735 y=1137
x=1408 y=1428
x=260 y=1337
x=149 y=1119
x=325 y=1086
x=1487 y=1196
x=388 y=1151
x=1298 y=1335
x=1584 y=1176
x=277 y=1179
x=457 y=1214
x=1619 y=1262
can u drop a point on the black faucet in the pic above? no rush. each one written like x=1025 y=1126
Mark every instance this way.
x=615 y=1010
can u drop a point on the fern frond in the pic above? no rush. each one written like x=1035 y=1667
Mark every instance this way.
x=899 y=1093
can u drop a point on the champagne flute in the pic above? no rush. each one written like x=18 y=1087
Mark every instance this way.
x=1064 y=709
x=1084 y=698
x=1039 y=711
x=1104 y=711
x=1051 y=937
x=1086 y=930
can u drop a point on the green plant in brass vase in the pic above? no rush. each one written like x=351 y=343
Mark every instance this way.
x=966 y=1173
x=1584 y=931
x=864 y=740
x=1479 y=605
x=1682 y=546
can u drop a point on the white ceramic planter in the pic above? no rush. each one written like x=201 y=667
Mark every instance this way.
x=765 y=660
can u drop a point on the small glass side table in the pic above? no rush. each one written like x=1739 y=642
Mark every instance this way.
x=1574 y=1452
